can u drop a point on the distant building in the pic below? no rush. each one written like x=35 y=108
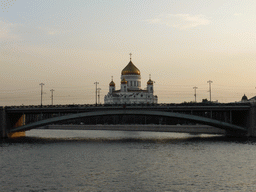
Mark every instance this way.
x=130 y=91
x=253 y=99
x=244 y=98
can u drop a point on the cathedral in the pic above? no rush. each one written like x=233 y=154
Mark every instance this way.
x=130 y=91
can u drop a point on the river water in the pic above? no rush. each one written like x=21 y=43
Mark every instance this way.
x=58 y=160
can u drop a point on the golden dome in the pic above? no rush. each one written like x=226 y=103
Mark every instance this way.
x=150 y=82
x=130 y=69
x=123 y=81
x=112 y=83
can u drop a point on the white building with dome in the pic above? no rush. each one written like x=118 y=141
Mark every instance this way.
x=130 y=91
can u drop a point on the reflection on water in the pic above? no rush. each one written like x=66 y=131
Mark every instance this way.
x=48 y=136
x=100 y=134
x=123 y=136
x=58 y=160
x=109 y=135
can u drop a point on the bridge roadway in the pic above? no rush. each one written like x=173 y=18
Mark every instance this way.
x=235 y=118
x=155 y=107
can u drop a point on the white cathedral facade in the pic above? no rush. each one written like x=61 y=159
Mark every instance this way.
x=130 y=91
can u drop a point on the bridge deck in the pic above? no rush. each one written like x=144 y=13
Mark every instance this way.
x=84 y=108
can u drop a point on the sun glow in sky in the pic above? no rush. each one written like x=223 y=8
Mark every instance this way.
x=69 y=45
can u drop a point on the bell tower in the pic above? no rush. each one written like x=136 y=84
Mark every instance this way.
x=150 y=83
x=112 y=86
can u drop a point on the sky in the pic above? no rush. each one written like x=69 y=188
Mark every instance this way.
x=70 y=45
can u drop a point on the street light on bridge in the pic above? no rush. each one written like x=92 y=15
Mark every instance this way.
x=41 y=93
x=99 y=95
x=52 y=95
x=96 y=83
x=210 y=89
x=195 y=92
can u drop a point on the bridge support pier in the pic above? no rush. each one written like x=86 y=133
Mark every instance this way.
x=3 y=124
x=6 y=122
x=252 y=121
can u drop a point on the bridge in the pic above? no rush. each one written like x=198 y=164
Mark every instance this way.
x=234 y=118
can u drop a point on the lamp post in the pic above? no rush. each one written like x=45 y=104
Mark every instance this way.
x=96 y=83
x=99 y=95
x=41 y=93
x=195 y=92
x=52 y=95
x=210 y=89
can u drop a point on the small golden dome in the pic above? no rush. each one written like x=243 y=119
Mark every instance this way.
x=112 y=83
x=130 y=69
x=123 y=81
x=150 y=82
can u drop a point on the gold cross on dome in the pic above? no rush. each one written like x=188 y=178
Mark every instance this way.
x=130 y=56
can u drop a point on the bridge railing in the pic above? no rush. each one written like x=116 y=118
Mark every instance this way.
x=127 y=105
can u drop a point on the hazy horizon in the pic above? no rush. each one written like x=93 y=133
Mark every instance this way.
x=69 y=45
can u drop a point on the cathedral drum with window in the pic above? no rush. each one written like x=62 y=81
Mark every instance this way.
x=130 y=91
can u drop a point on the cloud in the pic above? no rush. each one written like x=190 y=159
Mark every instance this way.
x=237 y=14
x=6 y=30
x=49 y=31
x=14 y=31
x=180 y=21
